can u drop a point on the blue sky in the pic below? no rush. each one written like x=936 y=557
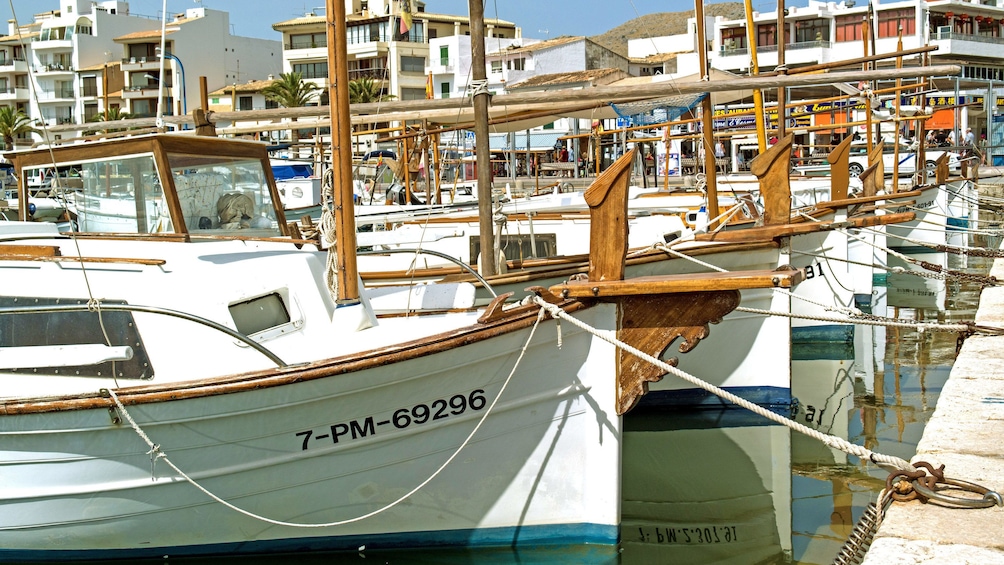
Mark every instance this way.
x=539 y=19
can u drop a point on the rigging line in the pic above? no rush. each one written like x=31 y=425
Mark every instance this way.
x=156 y=452
x=827 y=439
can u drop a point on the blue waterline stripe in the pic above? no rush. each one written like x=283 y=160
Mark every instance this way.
x=527 y=538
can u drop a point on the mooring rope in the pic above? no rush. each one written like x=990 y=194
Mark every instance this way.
x=827 y=439
x=157 y=453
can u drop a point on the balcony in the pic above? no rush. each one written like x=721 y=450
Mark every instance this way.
x=54 y=69
x=441 y=66
x=149 y=63
x=13 y=94
x=965 y=44
x=60 y=95
x=375 y=74
x=41 y=44
x=15 y=65
x=144 y=91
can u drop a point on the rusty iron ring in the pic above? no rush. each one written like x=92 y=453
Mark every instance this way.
x=929 y=489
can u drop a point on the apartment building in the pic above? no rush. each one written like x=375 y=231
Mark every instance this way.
x=381 y=44
x=199 y=43
x=91 y=55
x=968 y=33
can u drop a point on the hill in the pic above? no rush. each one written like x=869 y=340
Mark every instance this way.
x=660 y=24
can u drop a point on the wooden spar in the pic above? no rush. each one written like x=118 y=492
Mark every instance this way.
x=781 y=69
x=751 y=39
x=772 y=168
x=707 y=121
x=481 y=145
x=899 y=84
x=871 y=180
x=341 y=153
x=860 y=60
x=839 y=160
x=878 y=162
x=868 y=103
x=607 y=200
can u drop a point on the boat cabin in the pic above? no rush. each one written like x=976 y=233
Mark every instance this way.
x=163 y=184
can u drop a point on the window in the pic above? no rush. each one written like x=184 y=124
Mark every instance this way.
x=412 y=64
x=444 y=90
x=516 y=64
x=75 y=328
x=90 y=110
x=270 y=104
x=444 y=56
x=89 y=86
x=244 y=103
x=849 y=27
x=308 y=40
x=889 y=22
x=412 y=94
x=496 y=67
x=807 y=31
x=766 y=35
x=311 y=70
x=259 y=314
x=734 y=38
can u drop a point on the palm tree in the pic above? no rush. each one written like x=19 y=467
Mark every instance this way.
x=13 y=122
x=112 y=114
x=291 y=92
x=363 y=90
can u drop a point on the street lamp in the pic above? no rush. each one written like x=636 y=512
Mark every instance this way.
x=181 y=73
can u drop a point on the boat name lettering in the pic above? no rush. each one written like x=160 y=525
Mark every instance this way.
x=698 y=535
x=400 y=419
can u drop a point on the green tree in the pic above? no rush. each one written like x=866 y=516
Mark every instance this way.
x=291 y=92
x=114 y=114
x=363 y=90
x=13 y=122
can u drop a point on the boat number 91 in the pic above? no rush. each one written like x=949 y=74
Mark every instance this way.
x=402 y=418
x=812 y=271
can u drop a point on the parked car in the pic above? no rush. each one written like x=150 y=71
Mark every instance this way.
x=858 y=159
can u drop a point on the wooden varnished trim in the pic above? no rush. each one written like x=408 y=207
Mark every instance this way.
x=674 y=284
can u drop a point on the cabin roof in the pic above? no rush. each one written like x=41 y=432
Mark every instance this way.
x=249 y=86
x=541 y=45
x=599 y=76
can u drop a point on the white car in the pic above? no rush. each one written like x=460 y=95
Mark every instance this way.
x=858 y=159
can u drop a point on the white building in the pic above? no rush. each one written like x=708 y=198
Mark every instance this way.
x=198 y=43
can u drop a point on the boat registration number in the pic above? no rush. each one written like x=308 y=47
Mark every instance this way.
x=697 y=535
x=400 y=419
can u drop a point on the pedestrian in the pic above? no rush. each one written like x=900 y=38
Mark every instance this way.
x=719 y=149
x=970 y=139
x=951 y=138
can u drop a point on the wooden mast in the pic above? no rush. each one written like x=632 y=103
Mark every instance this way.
x=482 y=149
x=707 y=120
x=761 y=125
x=341 y=152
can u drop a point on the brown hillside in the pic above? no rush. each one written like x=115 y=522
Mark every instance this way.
x=661 y=24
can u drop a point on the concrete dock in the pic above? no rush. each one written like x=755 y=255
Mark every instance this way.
x=966 y=434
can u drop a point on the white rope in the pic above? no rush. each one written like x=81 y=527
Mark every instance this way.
x=478 y=87
x=327 y=231
x=829 y=440
x=156 y=453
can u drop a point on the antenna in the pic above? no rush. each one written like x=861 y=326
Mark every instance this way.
x=544 y=31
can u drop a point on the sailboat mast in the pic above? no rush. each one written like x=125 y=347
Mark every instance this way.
x=481 y=146
x=761 y=125
x=707 y=118
x=341 y=151
x=782 y=92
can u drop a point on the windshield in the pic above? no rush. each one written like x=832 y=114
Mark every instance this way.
x=223 y=194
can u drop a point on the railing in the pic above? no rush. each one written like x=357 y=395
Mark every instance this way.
x=378 y=74
x=313 y=45
x=948 y=35
x=140 y=60
x=8 y=61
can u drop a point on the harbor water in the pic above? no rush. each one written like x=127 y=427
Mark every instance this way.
x=725 y=486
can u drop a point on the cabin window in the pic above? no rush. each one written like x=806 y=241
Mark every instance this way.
x=260 y=314
x=23 y=332
x=220 y=194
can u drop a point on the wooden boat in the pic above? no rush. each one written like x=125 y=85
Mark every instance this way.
x=189 y=384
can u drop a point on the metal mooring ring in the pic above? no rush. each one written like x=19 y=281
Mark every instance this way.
x=990 y=497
